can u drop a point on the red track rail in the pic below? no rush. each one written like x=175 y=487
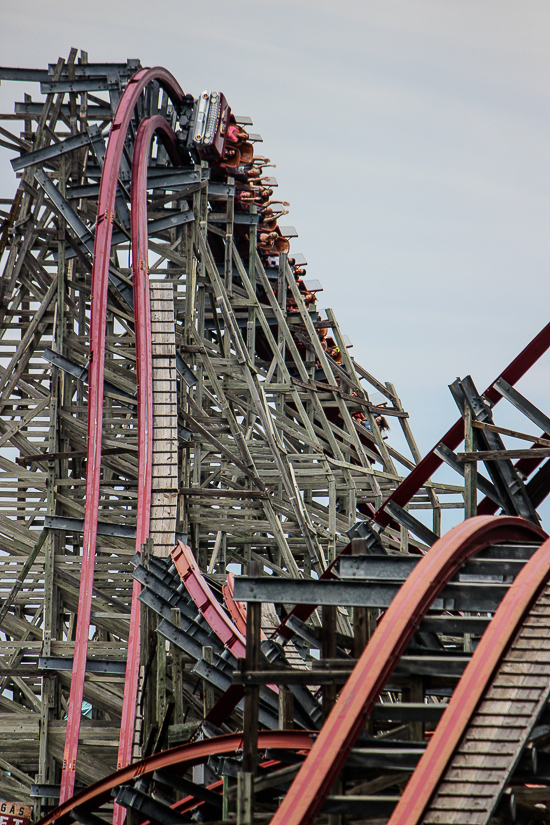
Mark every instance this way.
x=396 y=628
x=229 y=633
x=207 y=603
x=144 y=366
x=430 y=463
x=100 y=276
x=475 y=679
x=237 y=609
x=182 y=757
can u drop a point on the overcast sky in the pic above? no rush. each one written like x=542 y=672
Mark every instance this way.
x=412 y=139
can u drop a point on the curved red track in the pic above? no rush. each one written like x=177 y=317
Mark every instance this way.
x=360 y=693
x=182 y=757
x=477 y=676
x=206 y=602
x=144 y=366
x=100 y=280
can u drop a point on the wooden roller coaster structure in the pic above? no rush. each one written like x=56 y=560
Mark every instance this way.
x=173 y=407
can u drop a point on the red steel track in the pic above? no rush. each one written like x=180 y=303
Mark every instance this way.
x=430 y=463
x=230 y=634
x=100 y=280
x=200 y=592
x=354 y=705
x=144 y=366
x=469 y=691
x=182 y=757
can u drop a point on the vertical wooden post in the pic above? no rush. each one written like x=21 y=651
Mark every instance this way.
x=360 y=614
x=404 y=539
x=364 y=619
x=207 y=689
x=161 y=680
x=331 y=515
x=437 y=520
x=252 y=693
x=245 y=780
x=286 y=708
x=328 y=651
x=177 y=671
x=416 y=729
x=228 y=804
x=470 y=468
x=245 y=798
x=148 y=658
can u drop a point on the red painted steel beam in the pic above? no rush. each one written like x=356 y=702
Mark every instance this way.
x=477 y=677
x=354 y=705
x=100 y=280
x=144 y=369
x=430 y=463
x=182 y=758
x=237 y=609
x=207 y=603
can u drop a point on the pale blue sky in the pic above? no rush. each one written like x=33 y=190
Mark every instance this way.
x=412 y=139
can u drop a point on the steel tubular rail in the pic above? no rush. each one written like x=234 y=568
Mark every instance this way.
x=430 y=463
x=477 y=676
x=208 y=605
x=144 y=367
x=354 y=705
x=100 y=280
x=182 y=757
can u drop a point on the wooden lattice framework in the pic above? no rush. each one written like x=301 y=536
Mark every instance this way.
x=258 y=454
